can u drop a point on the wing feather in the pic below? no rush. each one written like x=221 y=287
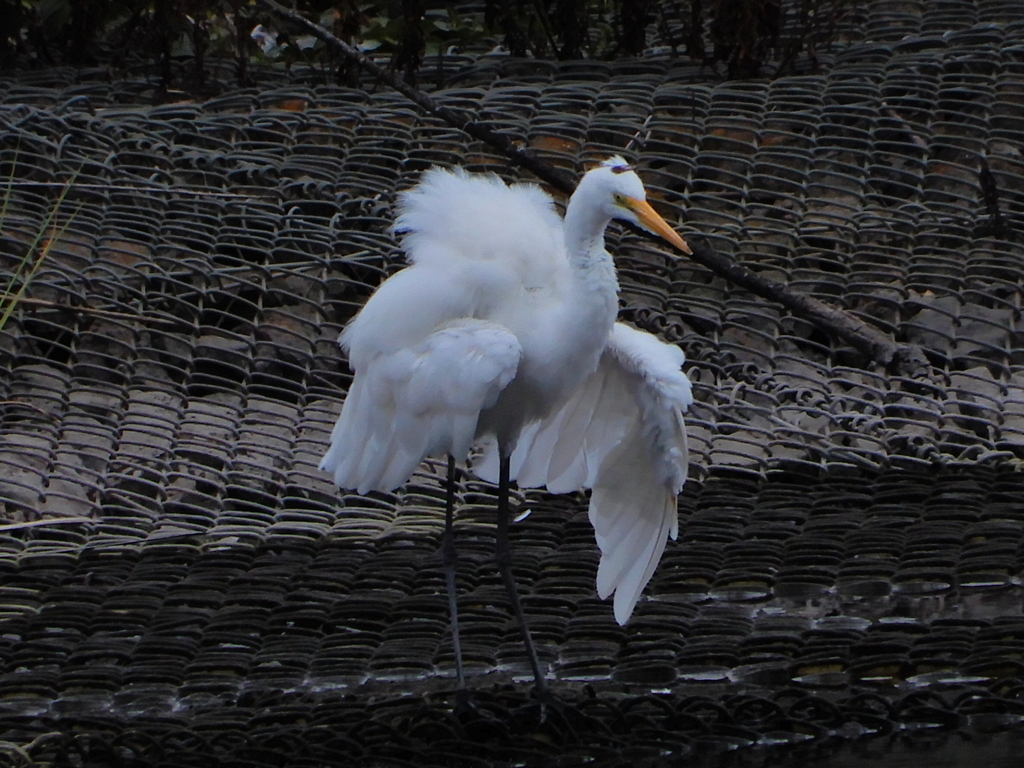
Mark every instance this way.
x=423 y=401
x=568 y=466
x=638 y=481
x=622 y=434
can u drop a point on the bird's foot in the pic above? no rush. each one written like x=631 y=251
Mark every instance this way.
x=464 y=705
x=549 y=713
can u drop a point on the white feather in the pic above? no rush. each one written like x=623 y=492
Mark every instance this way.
x=425 y=402
x=622 y=434
x=503 y=329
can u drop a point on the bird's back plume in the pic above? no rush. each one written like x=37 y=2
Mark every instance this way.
x=475 y=216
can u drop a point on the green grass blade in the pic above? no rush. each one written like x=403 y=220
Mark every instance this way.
x=17 y=286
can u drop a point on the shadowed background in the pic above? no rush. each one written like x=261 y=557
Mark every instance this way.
x=179 y=582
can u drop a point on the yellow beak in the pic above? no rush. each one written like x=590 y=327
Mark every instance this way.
x=652 y=222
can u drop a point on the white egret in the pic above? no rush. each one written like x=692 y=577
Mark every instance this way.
x=502 y=332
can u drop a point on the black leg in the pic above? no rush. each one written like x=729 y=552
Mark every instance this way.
x=448 y=559
x=503 y=555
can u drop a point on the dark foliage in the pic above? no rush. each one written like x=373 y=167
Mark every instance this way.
x=744 y=33
x=742 y=36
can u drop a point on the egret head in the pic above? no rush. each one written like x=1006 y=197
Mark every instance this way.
x=621 y=193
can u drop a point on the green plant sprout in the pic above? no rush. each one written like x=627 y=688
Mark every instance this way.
x=42 y=243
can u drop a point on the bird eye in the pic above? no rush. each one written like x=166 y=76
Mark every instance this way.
x=620 y=200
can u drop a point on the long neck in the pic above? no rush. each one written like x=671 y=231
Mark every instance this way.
x=593 y=271
x=584 y=229
x=566 y=346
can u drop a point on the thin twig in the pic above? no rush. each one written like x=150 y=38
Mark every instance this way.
x=101 y=312
x=643 y=133
x=870 y=341
x=141 y=186
x=28 y=406
x=47 y=235
x=46 y=521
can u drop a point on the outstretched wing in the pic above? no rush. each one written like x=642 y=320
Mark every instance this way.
x=622 y=434
x=424 y=400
